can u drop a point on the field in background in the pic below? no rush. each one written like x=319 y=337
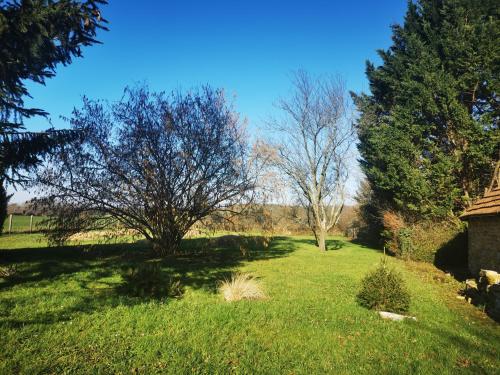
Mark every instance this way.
x=21 y=224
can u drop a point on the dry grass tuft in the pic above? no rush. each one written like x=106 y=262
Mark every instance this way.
x=95 y=235
x=241 y=286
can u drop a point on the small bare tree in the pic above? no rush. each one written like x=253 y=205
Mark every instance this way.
x=315 y=138
x=152 y=163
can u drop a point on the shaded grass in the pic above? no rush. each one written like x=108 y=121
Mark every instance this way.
x=64 y=313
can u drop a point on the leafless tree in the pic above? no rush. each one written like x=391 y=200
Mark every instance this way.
x=152 y=162
x=315 y=138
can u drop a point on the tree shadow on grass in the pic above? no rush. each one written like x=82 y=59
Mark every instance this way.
x=72 y=304
x=46 y=264
x=331 y=244
x=96 y=270
x=200 y=267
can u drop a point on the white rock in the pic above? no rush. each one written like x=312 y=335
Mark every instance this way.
x=393 y=316
x=470 y=284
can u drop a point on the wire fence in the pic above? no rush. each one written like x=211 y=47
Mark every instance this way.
x=23 y=224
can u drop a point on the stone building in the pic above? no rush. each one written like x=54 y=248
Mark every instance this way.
x=484 y=228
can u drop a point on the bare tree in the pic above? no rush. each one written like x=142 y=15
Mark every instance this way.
x=151 y=162
x=315 y=138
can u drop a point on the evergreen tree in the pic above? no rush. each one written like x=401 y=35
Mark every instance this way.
x=428 y=131
x=36 y=36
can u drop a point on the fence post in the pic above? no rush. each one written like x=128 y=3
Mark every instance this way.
x=31 y=223
x=10 y=223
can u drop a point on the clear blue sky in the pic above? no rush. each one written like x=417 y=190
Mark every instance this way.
x=249 y=48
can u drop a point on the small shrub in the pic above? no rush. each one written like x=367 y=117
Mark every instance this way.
x=244 y=251
x=394 y=232
x=148 y=280
x=384 y=290
x=241 y=286
x=405 y=244
x=175 y=288
x=252 y=244
x=248 y=245
x=227 y=241
x=8 y=272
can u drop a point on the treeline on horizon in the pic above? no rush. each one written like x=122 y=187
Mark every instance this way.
x=270 y=219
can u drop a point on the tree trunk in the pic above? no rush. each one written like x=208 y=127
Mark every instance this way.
x=322 y=240
x=4 y=201
x=166 y=246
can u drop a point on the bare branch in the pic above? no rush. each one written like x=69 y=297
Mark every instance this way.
x=154 y=163
x=315 y=137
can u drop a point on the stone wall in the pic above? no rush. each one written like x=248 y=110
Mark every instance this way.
x=484 y=243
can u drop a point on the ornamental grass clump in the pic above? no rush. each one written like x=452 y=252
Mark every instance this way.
x=241 y=286
x=384 y=289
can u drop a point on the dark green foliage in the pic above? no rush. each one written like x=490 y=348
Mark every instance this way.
x=384 y=290
x=428 y=131
x=23 y=151
x=147 y=280
x=405 y=243
x=36 y=36
x=368 y=224
x=443 y=243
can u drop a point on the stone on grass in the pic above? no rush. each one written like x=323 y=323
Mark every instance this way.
x=489 y=277
x=485 y=292
x=470 y=284
x=393 y=316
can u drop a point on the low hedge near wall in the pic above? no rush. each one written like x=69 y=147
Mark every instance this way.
x=442 y=243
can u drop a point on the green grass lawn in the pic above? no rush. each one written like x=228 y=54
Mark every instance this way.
x=21 y=223
x=65 y=314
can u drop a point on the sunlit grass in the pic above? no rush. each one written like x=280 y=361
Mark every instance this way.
x=64 y=313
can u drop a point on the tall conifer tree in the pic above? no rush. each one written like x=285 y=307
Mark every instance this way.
x=36 y=36
x=429 y=132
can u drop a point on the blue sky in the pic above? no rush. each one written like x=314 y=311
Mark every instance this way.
x=249 y=48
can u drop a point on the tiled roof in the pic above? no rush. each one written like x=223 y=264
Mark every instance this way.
x=490 y=203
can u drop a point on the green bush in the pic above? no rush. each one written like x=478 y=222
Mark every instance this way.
x=148 y=280
x=384 y=290
x=442 y=243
